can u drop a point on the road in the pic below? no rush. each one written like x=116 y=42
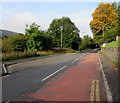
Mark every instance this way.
x=29 y=80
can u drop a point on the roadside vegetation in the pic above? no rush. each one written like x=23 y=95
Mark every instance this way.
x=36 y=42
x=105 y=25
x=113 y=44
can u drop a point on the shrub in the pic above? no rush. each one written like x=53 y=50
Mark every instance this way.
x=17 y=55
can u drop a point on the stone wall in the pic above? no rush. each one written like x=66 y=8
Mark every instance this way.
x=113 y=54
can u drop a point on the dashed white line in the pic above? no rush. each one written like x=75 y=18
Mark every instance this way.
x=74 y=60
x=54 y=73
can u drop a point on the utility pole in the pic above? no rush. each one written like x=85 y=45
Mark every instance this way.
x=61 y=36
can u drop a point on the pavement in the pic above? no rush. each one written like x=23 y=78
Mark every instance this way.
x=111 y=75
x=80 y=80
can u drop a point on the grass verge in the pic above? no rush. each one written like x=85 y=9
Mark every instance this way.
x=20 y=55
x=113 y=44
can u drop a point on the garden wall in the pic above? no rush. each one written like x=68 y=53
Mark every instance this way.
x=113 y=54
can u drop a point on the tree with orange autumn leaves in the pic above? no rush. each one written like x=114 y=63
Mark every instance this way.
x=104 y=18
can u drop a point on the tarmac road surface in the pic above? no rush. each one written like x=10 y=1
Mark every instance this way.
x=29 y=80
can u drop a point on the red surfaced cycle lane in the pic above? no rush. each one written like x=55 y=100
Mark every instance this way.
x=83 y=82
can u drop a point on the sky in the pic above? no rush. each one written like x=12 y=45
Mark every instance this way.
x=15 y=15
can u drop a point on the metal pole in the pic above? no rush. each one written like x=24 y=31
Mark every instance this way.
x=89 y=42
x=103 y=31
x=61 y=37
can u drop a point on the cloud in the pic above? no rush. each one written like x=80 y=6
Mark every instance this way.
x=82 y=20
x=16 y=22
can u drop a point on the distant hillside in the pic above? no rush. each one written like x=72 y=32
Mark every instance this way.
x=7 y=32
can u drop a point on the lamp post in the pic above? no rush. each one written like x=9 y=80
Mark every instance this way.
x=89 y=41
x=103 y=27
x=61 y=36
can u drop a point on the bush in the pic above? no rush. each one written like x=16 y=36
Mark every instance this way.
x=20 y=55
x=17 y=55
x=113 y=44
x=43 y=53
x=6 y=44
x=64 y=50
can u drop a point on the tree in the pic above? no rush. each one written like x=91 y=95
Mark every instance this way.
x=111 y=34
x=34 y=42
x=119 y=18
x=87 y=42
x=38 y=40
x=70 y=33
x=7 y=44
x=33 y=28
x=104 y=18
x=19 y=42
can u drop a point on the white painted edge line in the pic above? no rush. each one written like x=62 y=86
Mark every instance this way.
x=107 y=88
x=5 y=76
x=75 y=60
x=54 y=73
x=7 y=101
x=5 y=70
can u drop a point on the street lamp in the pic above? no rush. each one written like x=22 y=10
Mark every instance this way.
x=103 y=27
x=61 y=35
x=89 y=40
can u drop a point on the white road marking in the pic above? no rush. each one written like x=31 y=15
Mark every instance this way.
x=4 y=76
x=5 y=70
x=74 y=60
x=54 y=73
x=7 y=101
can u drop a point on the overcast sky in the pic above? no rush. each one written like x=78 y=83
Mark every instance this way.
x=16 y=14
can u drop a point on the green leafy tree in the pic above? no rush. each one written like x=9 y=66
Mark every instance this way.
x=111 y=34
x=87 y=42
x=33 y=28
x=70 y=33
x=7 y=44
x=19 y=42
x=34 y=42
x=38 y=39
x=119 y=18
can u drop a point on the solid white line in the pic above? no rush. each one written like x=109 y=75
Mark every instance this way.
x=74 y=60
x=53 y=73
